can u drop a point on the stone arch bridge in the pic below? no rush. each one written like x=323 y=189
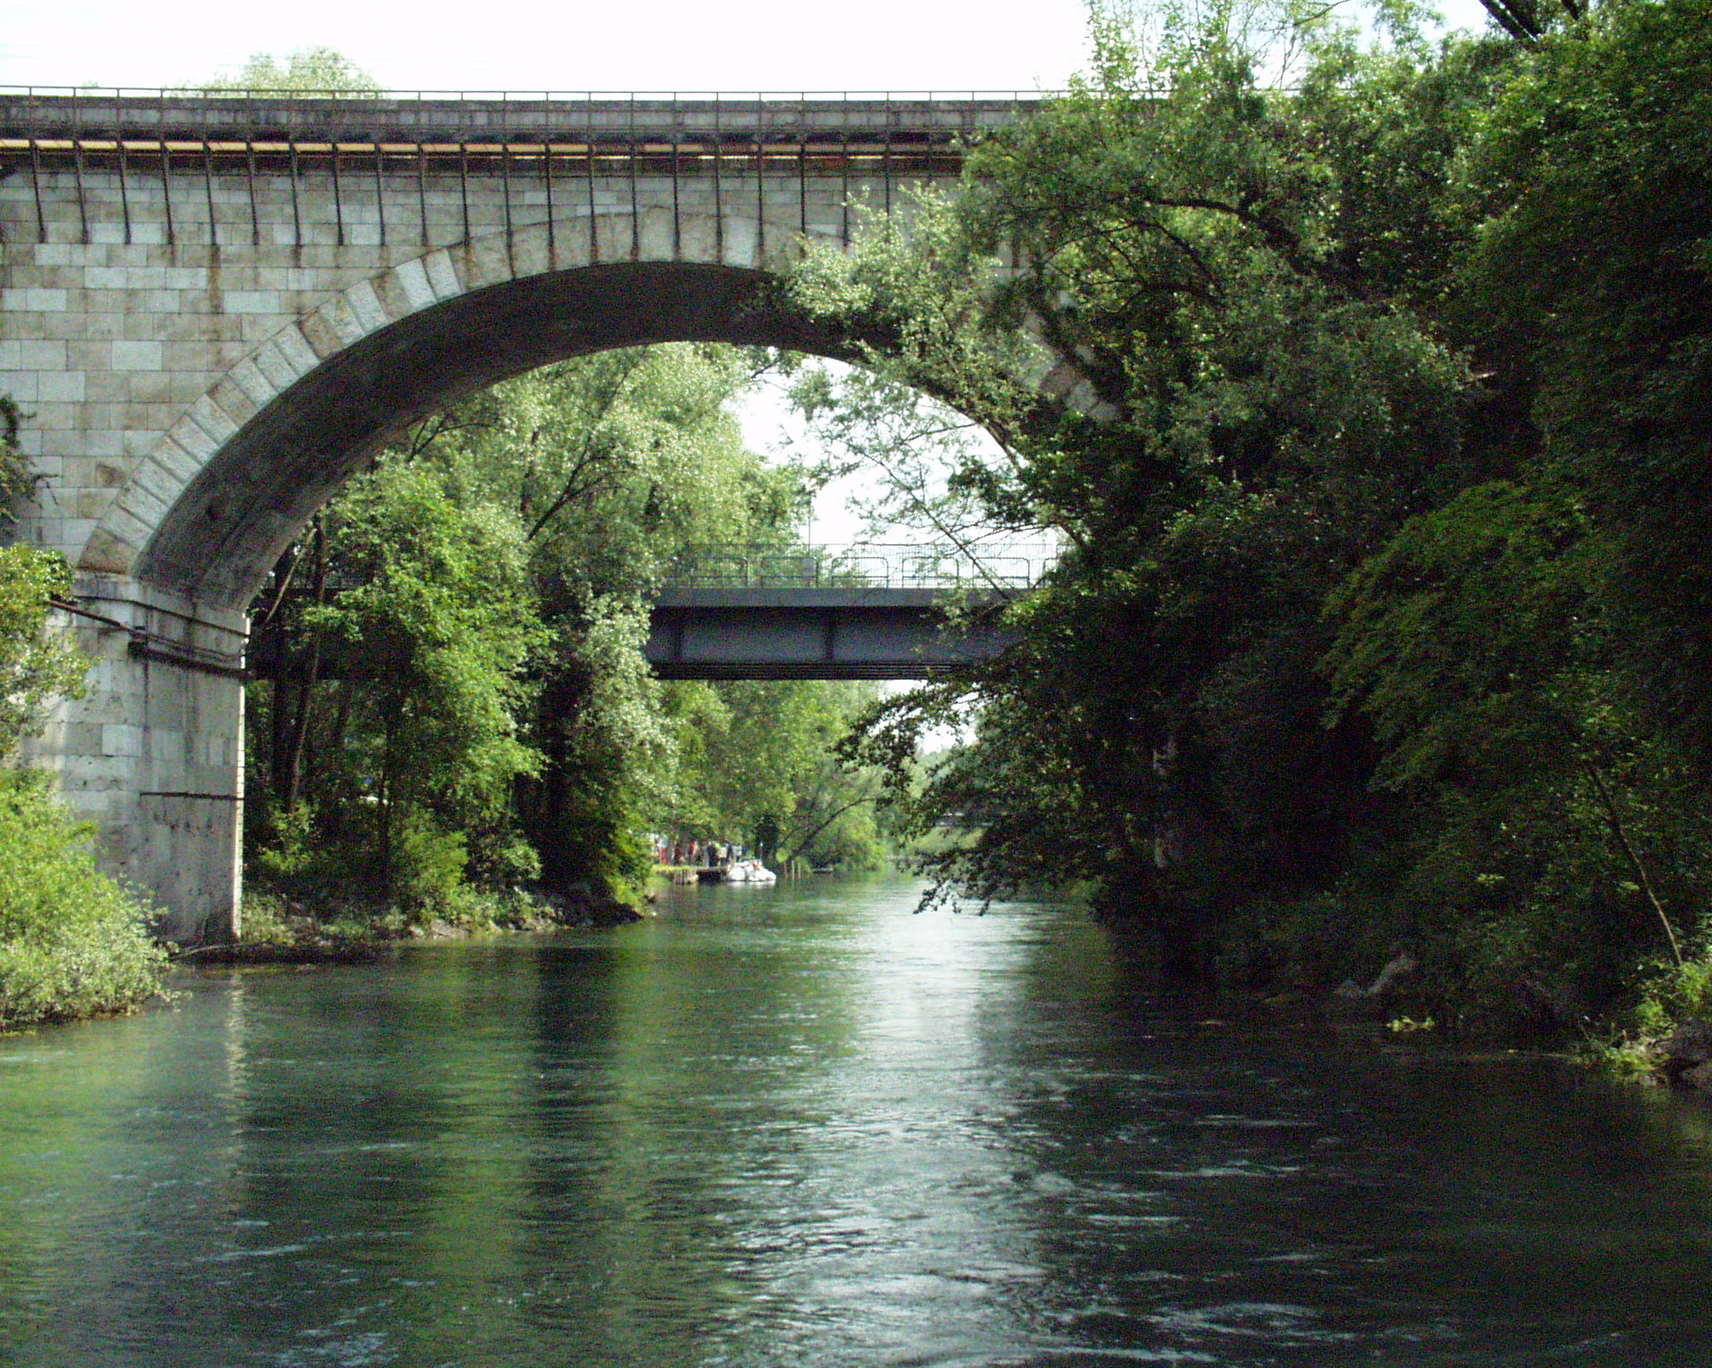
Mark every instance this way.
x=213 y=308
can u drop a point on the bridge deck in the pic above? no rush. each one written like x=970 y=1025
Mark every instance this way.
x=448 y=117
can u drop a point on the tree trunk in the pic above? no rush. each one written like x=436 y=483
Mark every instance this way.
x=292 y=770
x=280 y=741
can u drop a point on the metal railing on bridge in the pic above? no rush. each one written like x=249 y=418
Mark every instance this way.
x=865 y=565
x=105 y=125
x=559 y=141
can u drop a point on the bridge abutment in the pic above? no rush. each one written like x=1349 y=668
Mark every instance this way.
x=151 y=755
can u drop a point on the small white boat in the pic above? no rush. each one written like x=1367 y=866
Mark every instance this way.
x=748 y=872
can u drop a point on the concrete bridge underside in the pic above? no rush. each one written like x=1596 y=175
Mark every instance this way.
x=212 y=311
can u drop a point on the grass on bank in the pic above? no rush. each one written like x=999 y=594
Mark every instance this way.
x=73 y=943
x=276 y=922
x=1671 y=997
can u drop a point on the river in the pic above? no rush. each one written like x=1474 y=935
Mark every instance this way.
x=800 y=1126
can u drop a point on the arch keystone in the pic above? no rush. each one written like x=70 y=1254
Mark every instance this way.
x=742 y=244
x=486 y=261
x=442 y=274
x=612 y=237
x=657 y=239
x=529 y=256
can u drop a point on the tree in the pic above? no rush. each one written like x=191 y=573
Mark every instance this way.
x=463 y=675
x=308 y=71
x=1383 y=612
x=617 y=465
x=758 y=757
x=442 y=606
x=1272 y=410
x=1548 y=825
x=1589 y=293
x=35 y=666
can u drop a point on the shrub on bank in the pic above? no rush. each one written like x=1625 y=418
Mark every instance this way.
x=72 y=942
x=1672 y=1007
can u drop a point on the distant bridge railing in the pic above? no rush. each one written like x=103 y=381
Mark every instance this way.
x=865 y=565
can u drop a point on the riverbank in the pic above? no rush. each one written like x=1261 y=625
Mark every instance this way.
x=278 y=930
x=1657 y=1034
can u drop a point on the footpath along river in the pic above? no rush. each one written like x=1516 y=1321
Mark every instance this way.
x=800 y=1126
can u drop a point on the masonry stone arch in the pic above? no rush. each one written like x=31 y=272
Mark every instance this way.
x=208 y=511
x=230 y=485
x=154 y=752
x=214 y=313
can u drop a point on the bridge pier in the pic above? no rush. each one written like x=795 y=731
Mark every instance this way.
x=152 y=753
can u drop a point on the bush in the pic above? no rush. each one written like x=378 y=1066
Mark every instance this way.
x=72 y=942
x=428 y=865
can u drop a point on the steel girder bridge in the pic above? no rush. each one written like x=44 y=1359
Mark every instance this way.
x=848 y=612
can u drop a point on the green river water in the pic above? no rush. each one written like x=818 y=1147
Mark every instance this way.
x=800 y=1126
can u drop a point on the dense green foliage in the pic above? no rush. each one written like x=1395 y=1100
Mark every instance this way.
x=72 y=942
x=756 y=759
x=35 y=667
x=465 y=705
x=1381 y=620
x=1381 y=616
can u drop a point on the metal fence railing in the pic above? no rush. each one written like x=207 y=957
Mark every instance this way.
x=386 y=149
x=1010 y=565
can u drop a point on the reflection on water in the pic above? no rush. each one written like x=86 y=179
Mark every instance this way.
x=802 y=1126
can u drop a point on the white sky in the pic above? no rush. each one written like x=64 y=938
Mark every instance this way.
x=575 y=45
x=659 y=45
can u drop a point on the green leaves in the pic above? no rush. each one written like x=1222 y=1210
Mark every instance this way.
x=486 y=587
x=1590 y=277
x=36 y=666
x=72 y=942
x=1461 y=637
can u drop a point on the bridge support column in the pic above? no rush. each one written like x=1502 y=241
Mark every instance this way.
x=152 y=754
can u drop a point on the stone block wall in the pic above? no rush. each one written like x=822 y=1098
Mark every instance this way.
x=152 y=753
x=106 y=343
